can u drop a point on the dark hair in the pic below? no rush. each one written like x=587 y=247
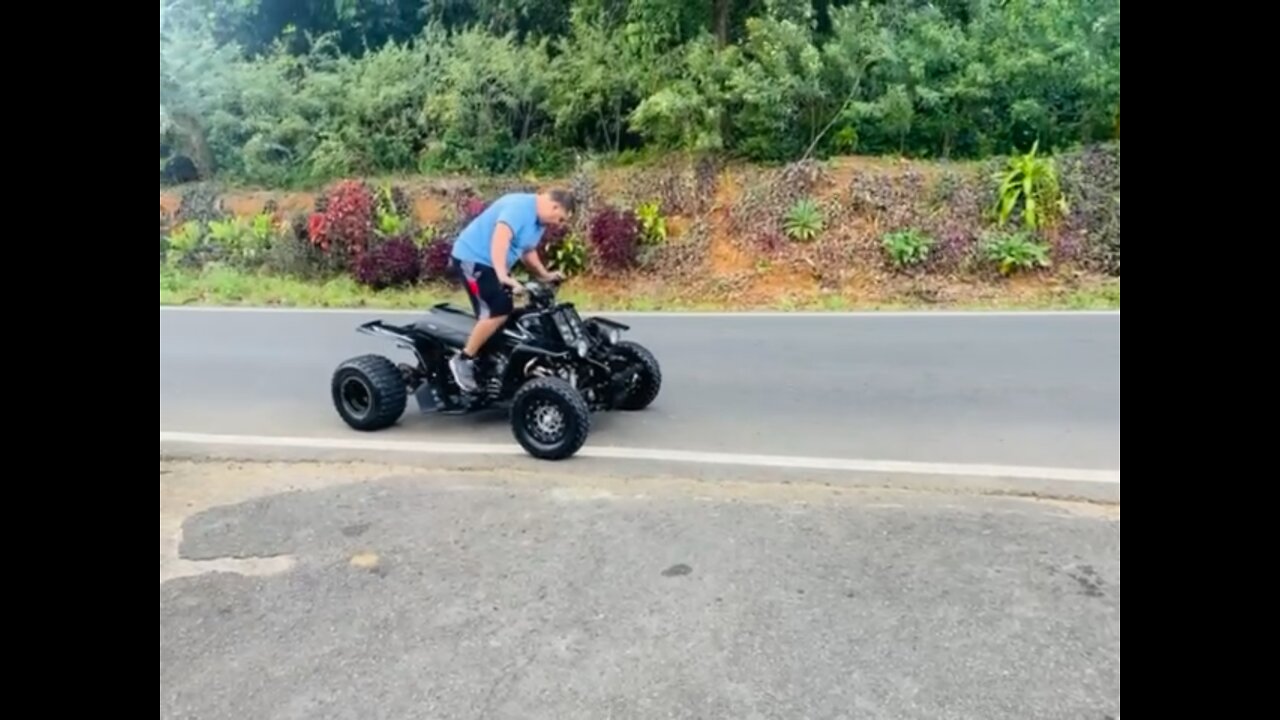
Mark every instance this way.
x=564 y=199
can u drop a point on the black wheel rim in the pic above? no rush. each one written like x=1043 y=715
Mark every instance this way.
x=636 y=378
x=546 y=421
x=357 y=397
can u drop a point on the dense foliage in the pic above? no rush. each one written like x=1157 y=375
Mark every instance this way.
x=283 y=92
x=846 y=223
x=1091 y=182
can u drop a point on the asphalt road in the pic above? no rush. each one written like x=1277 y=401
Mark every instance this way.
x=438 y=596
x=1035 y=390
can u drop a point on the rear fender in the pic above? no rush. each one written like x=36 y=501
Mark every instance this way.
x=398 y=335
x=402 y=337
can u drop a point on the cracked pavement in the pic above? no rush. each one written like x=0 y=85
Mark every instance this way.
x=351 y=591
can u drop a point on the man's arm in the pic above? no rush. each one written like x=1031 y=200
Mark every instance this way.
x=498 y=253
x=534 y=263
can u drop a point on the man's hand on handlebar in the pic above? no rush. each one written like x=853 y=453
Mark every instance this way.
x=516 y=287
x=513 y=285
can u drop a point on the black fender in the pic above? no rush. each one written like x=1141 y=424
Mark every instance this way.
x=607 y=323
x=399 y=335
x=422 y=347
x=602 y=328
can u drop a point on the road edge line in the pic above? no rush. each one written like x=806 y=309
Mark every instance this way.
x=854 y=465
x=745 y=314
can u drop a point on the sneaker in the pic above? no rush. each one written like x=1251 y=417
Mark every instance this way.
x=464 y=372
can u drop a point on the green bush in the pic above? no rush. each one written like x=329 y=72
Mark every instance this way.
x=568 y=255
x=653 y=226
x=1013 y=252
x=183 y=246
x=243 y=242
x=906 y=248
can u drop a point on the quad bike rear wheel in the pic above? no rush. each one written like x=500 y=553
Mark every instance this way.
x=369 y=392
x=549 y=418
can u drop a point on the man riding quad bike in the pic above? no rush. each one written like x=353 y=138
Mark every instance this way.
x=551 y=365
x=483 y=255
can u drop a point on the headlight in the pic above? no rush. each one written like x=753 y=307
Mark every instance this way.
x=582 y=347
x=564 y=328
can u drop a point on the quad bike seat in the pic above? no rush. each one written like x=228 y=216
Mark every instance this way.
x=452 y=325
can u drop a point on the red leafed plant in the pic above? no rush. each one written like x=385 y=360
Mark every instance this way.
x=394 y=262
x=614 y=236
x=345 y=226
x=435 y=260
x=316 y=230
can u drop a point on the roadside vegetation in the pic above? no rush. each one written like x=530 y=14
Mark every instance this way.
x=729 y=154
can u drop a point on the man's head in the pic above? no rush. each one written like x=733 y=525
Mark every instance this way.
x=556 y=207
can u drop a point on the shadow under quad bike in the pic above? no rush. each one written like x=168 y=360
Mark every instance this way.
x=547 y=364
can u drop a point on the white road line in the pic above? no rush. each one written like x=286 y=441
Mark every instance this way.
x=665 y=313
x=1111 y=477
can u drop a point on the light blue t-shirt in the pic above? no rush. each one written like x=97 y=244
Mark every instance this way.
x=519 y=211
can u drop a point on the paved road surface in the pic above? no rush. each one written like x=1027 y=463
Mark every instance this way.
x=437 y=596
x=1036 y=390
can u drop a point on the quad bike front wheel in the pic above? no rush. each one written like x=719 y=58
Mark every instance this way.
x=549 y=418
x=648 y=381
x=369 y=392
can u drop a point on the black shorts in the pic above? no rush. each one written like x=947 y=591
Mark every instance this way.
x=488 y=297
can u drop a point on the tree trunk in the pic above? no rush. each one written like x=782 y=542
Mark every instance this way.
x=617 y=124
x=720 y=17
x=720 y=14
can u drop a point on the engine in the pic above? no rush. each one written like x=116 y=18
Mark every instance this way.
x=537 y=367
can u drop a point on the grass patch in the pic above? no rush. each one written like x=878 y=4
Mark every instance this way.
x=230 y=287
x=224 y=286
x=227 y=286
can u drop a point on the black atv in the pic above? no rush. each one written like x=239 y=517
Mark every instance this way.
x=547 y=364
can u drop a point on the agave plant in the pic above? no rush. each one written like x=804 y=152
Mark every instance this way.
x=803 y=221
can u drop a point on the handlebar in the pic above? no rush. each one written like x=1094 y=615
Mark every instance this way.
x=535 y=284
x=530 y=287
